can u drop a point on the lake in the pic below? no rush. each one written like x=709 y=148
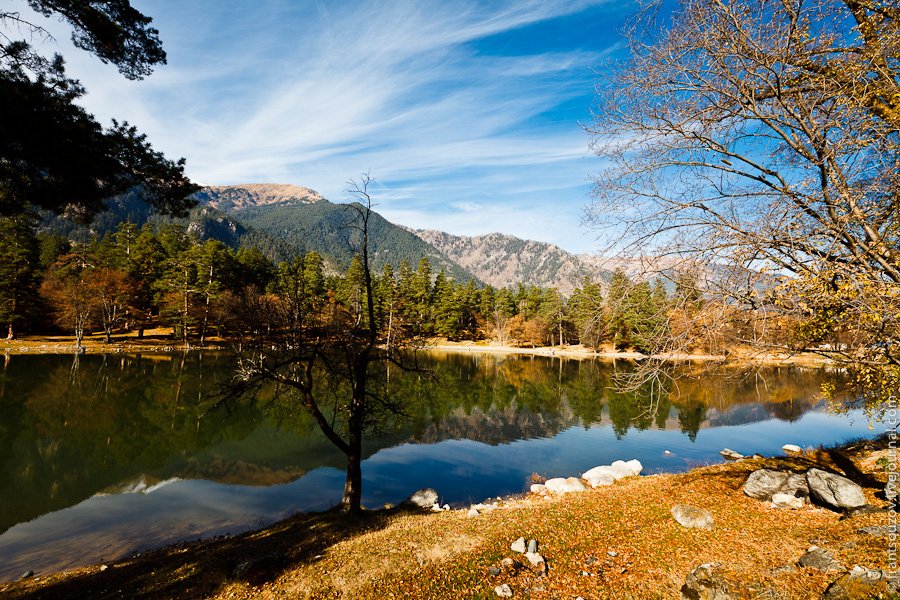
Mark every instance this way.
x=106 y=455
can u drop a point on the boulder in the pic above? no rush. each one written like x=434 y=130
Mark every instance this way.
x=834 y=490
x=692 y=517
x=425 y=499
x=765 y=483
x=559 y=485
x=519 y=546
x=705 y=583
x=538 y=488
x=780 y=500
x=616 y=471
x=859 y=584
x=791 y=448
x=600 y=479
x=626 y=469
x=820 y=560
x=731 y=454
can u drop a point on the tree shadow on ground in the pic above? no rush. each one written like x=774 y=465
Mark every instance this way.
x=200 y=569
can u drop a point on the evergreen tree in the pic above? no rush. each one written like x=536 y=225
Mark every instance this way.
x=586 y=309
x=617 y=308
x=19 y=256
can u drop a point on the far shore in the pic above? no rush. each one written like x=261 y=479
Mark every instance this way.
x=158 y=341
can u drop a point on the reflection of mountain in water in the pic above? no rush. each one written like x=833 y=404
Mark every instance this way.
x=67 y=434
x=495 y=427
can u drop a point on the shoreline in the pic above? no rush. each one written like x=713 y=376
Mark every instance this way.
x=425 y=554
x=153 y=344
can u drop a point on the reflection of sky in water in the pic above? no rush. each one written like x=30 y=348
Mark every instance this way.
x=106 y=526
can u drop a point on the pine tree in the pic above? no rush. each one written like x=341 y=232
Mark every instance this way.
x=18 y=263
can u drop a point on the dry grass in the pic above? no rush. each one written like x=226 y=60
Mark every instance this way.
x=395 y=554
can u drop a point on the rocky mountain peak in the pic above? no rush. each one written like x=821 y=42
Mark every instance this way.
x=233 y=198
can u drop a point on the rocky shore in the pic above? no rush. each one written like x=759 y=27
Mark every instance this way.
x=813 y=523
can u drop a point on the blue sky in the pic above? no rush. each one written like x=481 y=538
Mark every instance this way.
x=466 y=113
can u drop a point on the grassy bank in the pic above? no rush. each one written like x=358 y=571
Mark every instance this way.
x=613 y=542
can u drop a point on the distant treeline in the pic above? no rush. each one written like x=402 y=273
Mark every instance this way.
x=135 y=278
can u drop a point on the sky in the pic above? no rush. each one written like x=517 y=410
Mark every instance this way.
x=467 y=114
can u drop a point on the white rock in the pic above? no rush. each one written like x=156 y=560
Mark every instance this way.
x=435 y=507
x=473 y=512
x=446 y=507
x=621 y=469
x=602 y=470
x=731 y=454
x=518 y=546
x=635 y=466
x=600 y=479
x=558 y=485
x=534 y=558
x=792 y=448
x=538 y=488
x=786 y=501
x=504 y=591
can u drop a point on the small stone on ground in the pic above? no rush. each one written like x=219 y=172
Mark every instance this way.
x=692 y=517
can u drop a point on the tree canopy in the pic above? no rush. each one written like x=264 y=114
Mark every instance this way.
x=53 y=153
x=758 y=141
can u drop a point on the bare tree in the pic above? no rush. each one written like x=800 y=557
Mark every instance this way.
x=757 y=140
x=325 y=356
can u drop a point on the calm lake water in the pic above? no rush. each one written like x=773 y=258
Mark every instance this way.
x=109 y=455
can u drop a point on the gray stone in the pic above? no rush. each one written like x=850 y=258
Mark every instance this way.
x=692 y=517
x=27 y=574
x=780 y=500
x=504 y=591
x=820 y=560
x=731 y=454
x=533 y=546
x=834 y=490
x=494 y=571
x=765 y=483
x=705 y=583
x=424 y=499
x=519 y=546
x=860 y=583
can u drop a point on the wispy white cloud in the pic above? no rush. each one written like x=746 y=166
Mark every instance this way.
x=411 y=90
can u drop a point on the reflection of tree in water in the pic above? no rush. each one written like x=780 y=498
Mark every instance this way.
x=64 y=434
x=690 y=417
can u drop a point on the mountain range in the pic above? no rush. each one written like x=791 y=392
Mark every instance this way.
x=286 y=220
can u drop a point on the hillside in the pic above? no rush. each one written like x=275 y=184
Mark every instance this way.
x=504 y=260
x=324 y=227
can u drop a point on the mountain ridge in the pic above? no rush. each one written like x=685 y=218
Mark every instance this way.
x=502 y=260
